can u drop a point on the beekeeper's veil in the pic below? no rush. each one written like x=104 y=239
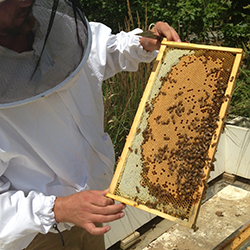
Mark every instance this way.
x=62 y=41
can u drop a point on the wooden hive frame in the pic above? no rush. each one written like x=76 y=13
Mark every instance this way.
x=170 y=149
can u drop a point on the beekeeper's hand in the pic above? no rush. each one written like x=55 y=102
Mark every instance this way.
x=161 y=29
x=86 y=208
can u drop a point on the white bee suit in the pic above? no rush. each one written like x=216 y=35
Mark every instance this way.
x=55 y=146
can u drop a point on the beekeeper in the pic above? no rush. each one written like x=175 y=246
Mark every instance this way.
x=54 y=153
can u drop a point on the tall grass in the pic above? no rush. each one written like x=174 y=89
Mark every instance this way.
x=240 y=104
x=122 y=95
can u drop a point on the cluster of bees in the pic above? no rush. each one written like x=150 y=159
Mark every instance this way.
x=180 y=132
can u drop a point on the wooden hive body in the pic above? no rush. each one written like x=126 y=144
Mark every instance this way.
x=170 y=149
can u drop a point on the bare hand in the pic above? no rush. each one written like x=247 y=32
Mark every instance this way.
x=160 y=29
x=86 y=208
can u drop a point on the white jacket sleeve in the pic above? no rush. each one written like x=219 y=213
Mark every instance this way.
x=115 y=53
x=23 y=216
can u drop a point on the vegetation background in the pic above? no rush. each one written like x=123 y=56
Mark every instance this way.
x=214 y=22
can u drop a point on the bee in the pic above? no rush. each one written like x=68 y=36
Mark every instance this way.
x=180 y=102
x=158 y=117
x=166 y=138
x=137 y=189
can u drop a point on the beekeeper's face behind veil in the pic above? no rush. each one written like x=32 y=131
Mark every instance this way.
x=44 y=45
x=16 y=18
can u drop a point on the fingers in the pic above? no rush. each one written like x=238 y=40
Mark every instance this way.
x=164 y=29
x=160 y=29
x=96 y=197
x=88 y=207
x=172 y=35
x=175 y=35
x=96 y=202
x=108 y=210
x=104 y=218
x=100 y=213
x=101 y=208
x=91 y=228
x=150 y=44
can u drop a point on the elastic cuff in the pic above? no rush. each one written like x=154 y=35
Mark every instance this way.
x=45 y=213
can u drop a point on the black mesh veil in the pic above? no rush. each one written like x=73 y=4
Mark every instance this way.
x=60 y=46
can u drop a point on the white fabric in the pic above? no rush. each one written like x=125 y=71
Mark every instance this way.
x=56 y=146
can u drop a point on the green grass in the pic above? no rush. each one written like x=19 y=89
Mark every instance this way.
x=240 y=104
x=122 y=95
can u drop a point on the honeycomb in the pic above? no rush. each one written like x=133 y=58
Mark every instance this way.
x=171 y=153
